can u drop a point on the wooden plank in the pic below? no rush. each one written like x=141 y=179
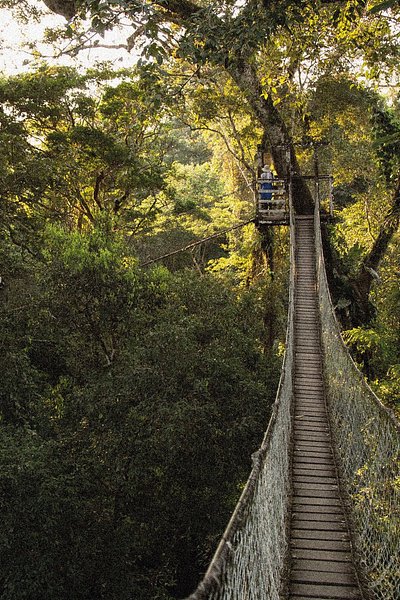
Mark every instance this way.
x=312 y=455
x=311 y=437
x=310 y=400
x=308 y=381
x=315 y=412
x=324 y=472
x=316 y=480
x=307 y=492
x=303 y=343
x=321 y=555
x=318 y=517
x=308 y=525
x=308 y=369
x=315 y=483
x=319 y=465
x=304 y=544
x=308 y=333
x=305 y=300
x=315 y=466
x=309 y=384
x=311 y=404
x=313 y=407
x=324 y=566
x=310 y=318
x=316 y=477
x=310 y=420
x=311 y=433
x=301 y=500
x=316 y=447
x=307 y=390
x=300 y=575
x=309 y=445
x=297 y=597
x=313 y=449
x=313 y=460
x=326 y=469
x=313 y=445
x=333 y=592
x=307 y=372
x=307 y=398
x=312 y=427
x=309 y=416
x=317 y=408
x=321 y=468
x=305 y=424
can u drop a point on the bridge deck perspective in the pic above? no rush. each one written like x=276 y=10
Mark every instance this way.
x=320 y=551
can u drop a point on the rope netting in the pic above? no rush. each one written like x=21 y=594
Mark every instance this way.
x=366 y=440
x=250 y=558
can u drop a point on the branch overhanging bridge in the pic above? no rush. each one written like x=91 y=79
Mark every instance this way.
x=319 y=517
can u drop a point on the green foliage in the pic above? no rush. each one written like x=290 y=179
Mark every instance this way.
x=388 y=388
x=130 y=402
x=363 y=339
x=66 y=153
x=387 y=142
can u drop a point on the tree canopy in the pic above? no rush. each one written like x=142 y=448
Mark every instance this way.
x=142 y=314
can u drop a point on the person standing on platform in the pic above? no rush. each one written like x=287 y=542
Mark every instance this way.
x=266 y=186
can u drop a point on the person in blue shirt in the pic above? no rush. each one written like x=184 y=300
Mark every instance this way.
x=266 y=186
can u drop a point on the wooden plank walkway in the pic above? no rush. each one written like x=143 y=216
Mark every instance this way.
x=321 y=561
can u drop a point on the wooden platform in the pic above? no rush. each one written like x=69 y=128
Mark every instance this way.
x=321 y=560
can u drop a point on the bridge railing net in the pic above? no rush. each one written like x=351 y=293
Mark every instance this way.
x=366 y=437
x=249 y=561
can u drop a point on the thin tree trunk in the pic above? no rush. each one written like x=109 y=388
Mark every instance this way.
x=362 y=283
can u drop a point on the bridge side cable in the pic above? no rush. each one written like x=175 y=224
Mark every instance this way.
x=367 y=444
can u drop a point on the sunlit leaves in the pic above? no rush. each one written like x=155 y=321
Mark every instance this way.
x=383 y=6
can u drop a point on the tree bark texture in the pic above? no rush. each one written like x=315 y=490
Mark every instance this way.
x=275 y=131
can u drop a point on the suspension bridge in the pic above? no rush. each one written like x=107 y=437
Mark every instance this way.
x=319 y=517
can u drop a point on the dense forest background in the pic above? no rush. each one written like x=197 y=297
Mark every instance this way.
x=137 y=381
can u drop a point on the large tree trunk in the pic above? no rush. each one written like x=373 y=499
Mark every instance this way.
x=65 y=8
x=280 y=141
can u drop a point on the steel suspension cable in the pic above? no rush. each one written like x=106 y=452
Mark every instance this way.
x=197 y=243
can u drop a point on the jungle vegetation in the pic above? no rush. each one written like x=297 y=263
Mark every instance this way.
x=135 y=388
